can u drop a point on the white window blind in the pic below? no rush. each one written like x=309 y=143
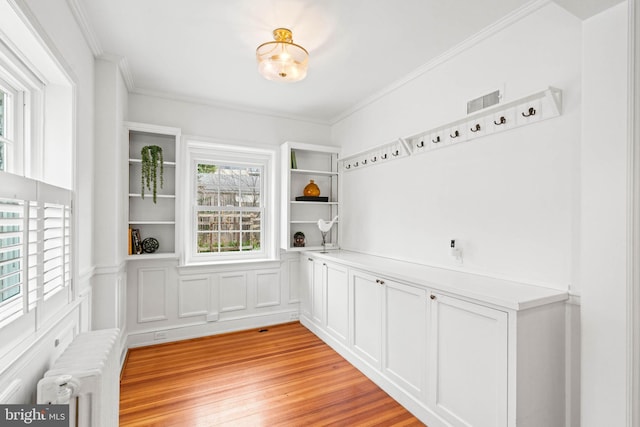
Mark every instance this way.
x=35 y=244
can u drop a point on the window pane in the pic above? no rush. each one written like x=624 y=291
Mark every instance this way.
x=10 y=249
x=225 y=185
x=208 y=242
x=208 y=221
x=251 y=241
x=229 y=241
x=2 y=156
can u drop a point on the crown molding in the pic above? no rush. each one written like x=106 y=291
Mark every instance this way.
x=123 y=66
x=463 y=46
x=85 y=27
x=226 y=106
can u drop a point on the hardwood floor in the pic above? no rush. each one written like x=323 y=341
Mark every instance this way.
x=282 y=376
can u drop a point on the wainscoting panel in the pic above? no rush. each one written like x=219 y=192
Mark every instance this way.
x=193 y=295
x=167 y=301
x=233 y=292
x=267 y=288
x=152 y=294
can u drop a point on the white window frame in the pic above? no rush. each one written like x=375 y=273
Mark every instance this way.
x=45 y=234
x=200 y=151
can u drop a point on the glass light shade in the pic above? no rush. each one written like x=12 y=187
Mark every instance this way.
x=282 y=60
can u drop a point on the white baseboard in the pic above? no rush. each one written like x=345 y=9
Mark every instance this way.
x=183 y=332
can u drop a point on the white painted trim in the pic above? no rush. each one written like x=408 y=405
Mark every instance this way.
x=89 y=34
x=462 y=47
x=225 y=106
x=204 y=329
x=633 y=219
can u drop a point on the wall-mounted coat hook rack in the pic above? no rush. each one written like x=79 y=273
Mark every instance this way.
x=527 y=110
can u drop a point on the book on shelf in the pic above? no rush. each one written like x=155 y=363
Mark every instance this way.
x=136 y=241
x=294 y=162
x=130 y=251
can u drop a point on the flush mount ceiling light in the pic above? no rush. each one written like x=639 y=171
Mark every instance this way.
x=282 y=60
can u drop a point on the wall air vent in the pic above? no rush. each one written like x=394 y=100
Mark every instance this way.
x=483 y=102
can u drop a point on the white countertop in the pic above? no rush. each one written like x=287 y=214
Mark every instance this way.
x=504 y=293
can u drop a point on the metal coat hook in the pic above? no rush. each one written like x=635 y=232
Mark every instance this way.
x=421 y=144
x=532 y=112
x=364 y=162
x=395 y=153
x=476 y=128
x=455 y=134
x=435 y=141
x=348 y=167
x=500 y=121
x=383 y=157
x=375 y=159
x=356 y=164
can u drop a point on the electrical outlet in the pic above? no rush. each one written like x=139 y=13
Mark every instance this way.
x=160 y=335
x=294 y=316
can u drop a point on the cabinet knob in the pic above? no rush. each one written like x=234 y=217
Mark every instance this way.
x=309 y=259
x=432 y=296
x=380 y=281
x=324 y=263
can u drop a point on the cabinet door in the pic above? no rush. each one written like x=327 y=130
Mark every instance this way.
x=317 y=293
x=468 y=362
x=367 y=317
x=306 y=279
x=405 y=328
x=337 y=301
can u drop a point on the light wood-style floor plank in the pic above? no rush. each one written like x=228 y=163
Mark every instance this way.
x=283 y=376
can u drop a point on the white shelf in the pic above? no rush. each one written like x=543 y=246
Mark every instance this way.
x=313 y=162
x=298 y=202
x=154 y=218
x=314 y=172
x=530 y=109
x=152 y=222
x=170 y=164
x=158 y=196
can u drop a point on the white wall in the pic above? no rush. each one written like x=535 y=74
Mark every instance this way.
x=603 y=233
x=111 y=160
x=31 y=356
x=510 y=199
x=223 y=123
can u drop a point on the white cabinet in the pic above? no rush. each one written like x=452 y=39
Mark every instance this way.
x=389 y=328
x=405 y=335
x=302 y=163
x=367 y=317
x=468 y=362
x=454 y=348
x=317 y=292
x=157 y=219
x=337 y=297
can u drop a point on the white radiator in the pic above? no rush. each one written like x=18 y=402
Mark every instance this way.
x=87 y=376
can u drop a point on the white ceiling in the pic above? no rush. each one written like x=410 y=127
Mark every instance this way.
x=204 y=50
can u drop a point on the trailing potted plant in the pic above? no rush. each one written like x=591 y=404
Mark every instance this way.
x=151 y=159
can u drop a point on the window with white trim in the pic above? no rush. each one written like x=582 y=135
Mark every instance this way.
x=36 y=176
x=231 y=214
x=35 y=244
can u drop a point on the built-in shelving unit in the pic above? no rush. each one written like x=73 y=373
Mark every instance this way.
x=300 y=164
x=153 y=219
x=536 y=107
